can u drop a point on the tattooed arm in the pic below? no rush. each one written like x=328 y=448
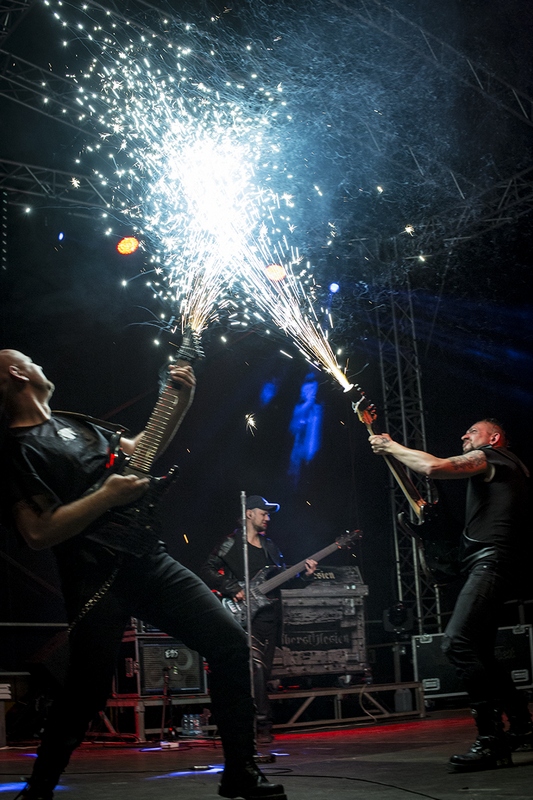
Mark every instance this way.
x=463 y=466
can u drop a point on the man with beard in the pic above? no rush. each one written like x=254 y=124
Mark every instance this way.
x=224 y=572
x=495 y=541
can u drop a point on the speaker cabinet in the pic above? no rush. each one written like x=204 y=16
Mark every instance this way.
x=514 y=650
x=148 y=661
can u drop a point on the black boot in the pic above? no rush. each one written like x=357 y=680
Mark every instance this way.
x=520 y=732
x=247 y=781
x=264 y=735
x=491 y=749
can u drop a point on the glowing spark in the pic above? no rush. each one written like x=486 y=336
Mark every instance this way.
x=251 y=423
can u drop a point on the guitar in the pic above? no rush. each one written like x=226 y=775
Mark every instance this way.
x=134 y=527
x=437 y=553
x=261 y=585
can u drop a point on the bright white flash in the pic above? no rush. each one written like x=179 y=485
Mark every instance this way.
x=198 y=166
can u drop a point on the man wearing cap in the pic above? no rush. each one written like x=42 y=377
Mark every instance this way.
x=224 y=571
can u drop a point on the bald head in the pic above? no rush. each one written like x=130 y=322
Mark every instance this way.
x=22 y=382
x=8 y=359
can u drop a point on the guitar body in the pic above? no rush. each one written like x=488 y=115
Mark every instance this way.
x=256 y=599
x=135 y=527
x=265 y=582
x=438 y=550
x=143 y=512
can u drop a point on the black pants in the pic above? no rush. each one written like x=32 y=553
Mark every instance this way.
x=470 y=638
x=162 y=592
x=265 y=630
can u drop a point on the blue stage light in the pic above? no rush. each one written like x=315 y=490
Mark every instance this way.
x=334 y=288
x=61 y=236
x=268 y=392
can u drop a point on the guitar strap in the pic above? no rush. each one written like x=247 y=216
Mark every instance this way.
x=97 y=596
x=108 y=426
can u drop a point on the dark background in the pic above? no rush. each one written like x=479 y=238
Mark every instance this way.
x=363 y=102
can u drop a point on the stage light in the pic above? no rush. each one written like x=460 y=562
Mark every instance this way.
x=268 y=392
x=61 y=236
x=127 y=245
x=334 y=288
x=398 y=619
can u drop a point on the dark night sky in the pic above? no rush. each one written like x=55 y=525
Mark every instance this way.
x=63 y=303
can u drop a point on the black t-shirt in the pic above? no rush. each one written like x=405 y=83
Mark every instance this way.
x=62 y=459
x=257 y=560
x=496 y=525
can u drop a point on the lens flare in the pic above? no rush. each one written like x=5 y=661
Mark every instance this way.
x=127 y=245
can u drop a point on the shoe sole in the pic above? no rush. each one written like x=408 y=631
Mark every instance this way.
x=477 y=766
x=255 y=796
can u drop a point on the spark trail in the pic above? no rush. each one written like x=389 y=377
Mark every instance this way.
x=193 y=148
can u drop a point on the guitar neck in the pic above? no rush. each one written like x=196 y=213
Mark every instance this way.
x=157 y=431
x=401 y=476
x=165 y=417
x=290 y=572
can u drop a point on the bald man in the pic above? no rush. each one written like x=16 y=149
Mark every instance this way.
x=495 y=539
x=59 y=494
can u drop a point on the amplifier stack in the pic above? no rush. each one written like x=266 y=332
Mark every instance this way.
x=154 y=663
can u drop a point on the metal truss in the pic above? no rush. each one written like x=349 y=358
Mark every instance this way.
x=44 y=92
x=404 y=419
x=65 y=189
x=411 y=36
x=501 y=204
x=504 y=202
x=11 y=13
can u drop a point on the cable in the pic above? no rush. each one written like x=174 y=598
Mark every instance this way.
x=373 y=783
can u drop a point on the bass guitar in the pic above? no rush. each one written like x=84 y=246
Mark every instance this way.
x=261 y=584
x=134 y=527
x=437 y=553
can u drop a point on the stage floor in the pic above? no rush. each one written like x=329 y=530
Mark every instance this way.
x=382 y=762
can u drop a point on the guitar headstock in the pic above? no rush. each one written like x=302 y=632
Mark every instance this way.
x=366 y=411
x=191 y=347
x=348 y=538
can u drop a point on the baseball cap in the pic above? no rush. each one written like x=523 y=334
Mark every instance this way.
x=256 y=501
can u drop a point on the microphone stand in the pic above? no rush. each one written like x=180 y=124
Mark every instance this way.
x=247 y=590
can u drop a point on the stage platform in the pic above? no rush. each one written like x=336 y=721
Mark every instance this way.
x=391 y=761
